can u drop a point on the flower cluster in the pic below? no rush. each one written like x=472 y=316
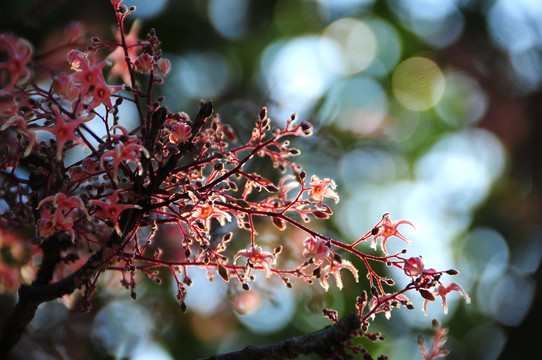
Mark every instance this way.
x=63 y=217
x=171 y=170
x=426 y=279
x=317 y=251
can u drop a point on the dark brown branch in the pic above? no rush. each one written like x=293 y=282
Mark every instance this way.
x=205 y=112
x=30 y=296
x=323 y=343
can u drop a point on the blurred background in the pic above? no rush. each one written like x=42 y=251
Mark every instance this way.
x=429 y=110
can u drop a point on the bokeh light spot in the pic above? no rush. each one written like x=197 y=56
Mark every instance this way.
x=203 y=296
x=513 y=24
x=390 y=47
x=461 y=168
x=463 y=102
x=200 y=75
x=438 y=23
x=295 y=73
x=357 y=42
x=343 y=6
x=274 y=312
x=357 y=105
x=485 y=342
x=119 y=327
x=233 y=26
x=418 y=83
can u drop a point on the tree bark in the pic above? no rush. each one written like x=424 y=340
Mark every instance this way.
x=323 y=343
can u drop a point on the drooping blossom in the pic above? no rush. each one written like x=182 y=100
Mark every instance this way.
x=65 y=87
x=206 y=212
x=316 y=249
x=49 y=223
x=383 y=302
x=321 y=189
x=111 y=209
x=163 y=66
x=62 y=202
x=437 y=350
x=334 y=268
x=413 y=267
x=125 y=137
x=443 y=291
x=124 y=152
x=388 y=229
x=256 y=256
x=20 y=123
x=64 y=130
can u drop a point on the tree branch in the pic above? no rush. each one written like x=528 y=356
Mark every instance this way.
x=323 y=343
x=205 y=112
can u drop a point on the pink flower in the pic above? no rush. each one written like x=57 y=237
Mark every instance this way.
x=75 y=57
x=122 y=152
x=125 y=137
x=413 y=267
x=437 y=350
x=334 y=268
x=19 y=52
x=87 y=75
x=50 y=224
x=64 y=131
x=385 y=305
x=20 y=122
x=144 y=63
x=62 y=202
x=102 y=95
x=179 y=133
x=388 y=229
x=111 y=209
x=65 y=87
x=443 y=291
x=206 y=212
x=321 y=189
x=256 y=256
x=316 y=249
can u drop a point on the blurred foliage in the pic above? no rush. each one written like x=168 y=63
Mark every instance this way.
x=385 y=152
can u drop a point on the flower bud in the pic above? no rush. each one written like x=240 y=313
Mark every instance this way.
x=223 y=272
x=427 y=295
